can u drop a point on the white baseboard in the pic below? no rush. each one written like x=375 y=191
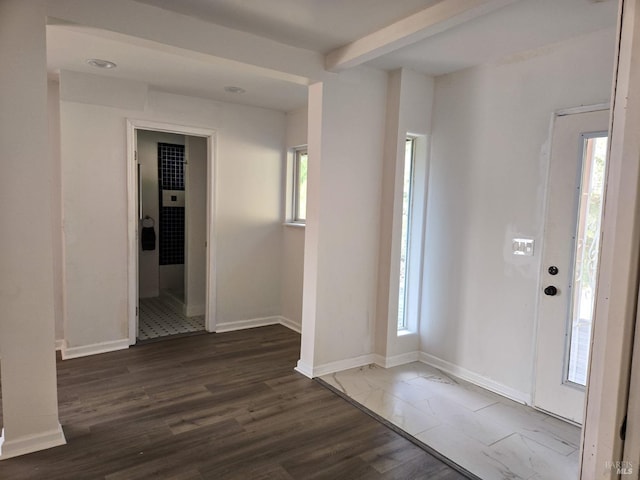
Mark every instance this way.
x=59 y=345
x=244 y=324
x=257 y=322
x=396 y=360
x=475 y=378
x=340 y=365
x=94 y=349
x=290 y=324
x=31 y=443
x=304 y=369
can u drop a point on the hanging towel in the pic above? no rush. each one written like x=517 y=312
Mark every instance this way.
x=148 y=238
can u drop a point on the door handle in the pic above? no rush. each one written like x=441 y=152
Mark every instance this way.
x=551 y=291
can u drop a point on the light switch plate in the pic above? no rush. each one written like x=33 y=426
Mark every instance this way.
x=522 y=246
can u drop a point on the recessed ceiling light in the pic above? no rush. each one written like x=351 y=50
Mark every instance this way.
x=96 y=62
x=234 y=89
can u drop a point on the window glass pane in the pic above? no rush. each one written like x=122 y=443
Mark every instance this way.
x=404 y=244
x=301 y=186
x=586 y=256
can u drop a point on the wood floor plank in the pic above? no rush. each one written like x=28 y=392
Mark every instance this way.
x=391 y=454
x=218 y=406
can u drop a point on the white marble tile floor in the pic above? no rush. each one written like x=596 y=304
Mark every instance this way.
x=487 y=434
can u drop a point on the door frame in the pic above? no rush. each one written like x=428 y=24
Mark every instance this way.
x=616 y=311
x=132 y=216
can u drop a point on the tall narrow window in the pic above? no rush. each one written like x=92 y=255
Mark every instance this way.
x=299 y=207
x=407 y=190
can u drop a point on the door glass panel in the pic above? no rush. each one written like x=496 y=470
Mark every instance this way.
x=587 y=247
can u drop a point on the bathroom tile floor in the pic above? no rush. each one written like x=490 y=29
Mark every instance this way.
x=159 y=319
x=487 y=434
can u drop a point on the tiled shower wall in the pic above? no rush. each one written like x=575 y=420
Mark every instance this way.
x=171 y=177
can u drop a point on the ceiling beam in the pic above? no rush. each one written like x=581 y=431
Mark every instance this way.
x=432 y=20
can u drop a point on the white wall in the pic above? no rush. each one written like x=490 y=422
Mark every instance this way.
x=250 y=142
x=171 y=277
x=487 y=185
x=148 y=260
x=293 y=236
x=346 y=132
x=196 y=227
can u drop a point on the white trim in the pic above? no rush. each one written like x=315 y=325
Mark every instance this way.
x=416 y=356
x=132 y=216
x=60 y=344
x=295 y=179
x=294 y=224
x=94 y=349
x=337 y=366
x=617 y=285
x=304 y=369
x=475 y=378
x=31 y=443
x=258 y=322
x=132 y=232
x=582 y=109
x=290 y=324
x=397 y=360
x=244 y=324
x=212 y=201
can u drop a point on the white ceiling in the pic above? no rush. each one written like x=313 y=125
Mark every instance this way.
x=521 y=26
x=320 y=25
x=68 y=48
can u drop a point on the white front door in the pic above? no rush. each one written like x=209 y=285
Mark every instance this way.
x=570 y=261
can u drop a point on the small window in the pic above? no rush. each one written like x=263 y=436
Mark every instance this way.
x=299 y=207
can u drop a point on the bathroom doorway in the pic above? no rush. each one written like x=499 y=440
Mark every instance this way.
x=172 y=220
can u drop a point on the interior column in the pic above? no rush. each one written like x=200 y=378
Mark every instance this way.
x=345 y=144
x=27 y=339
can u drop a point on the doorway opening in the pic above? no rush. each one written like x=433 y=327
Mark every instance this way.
x=171 y=256
x=171 y=224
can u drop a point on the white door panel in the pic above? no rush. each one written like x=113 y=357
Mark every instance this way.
x=572 y=232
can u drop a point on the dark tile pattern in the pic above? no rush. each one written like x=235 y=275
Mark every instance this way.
x=171 y=166
x=171 y=177
x=171 y=242
x=158 y=319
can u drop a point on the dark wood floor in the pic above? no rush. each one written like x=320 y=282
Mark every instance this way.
x=218 y=406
